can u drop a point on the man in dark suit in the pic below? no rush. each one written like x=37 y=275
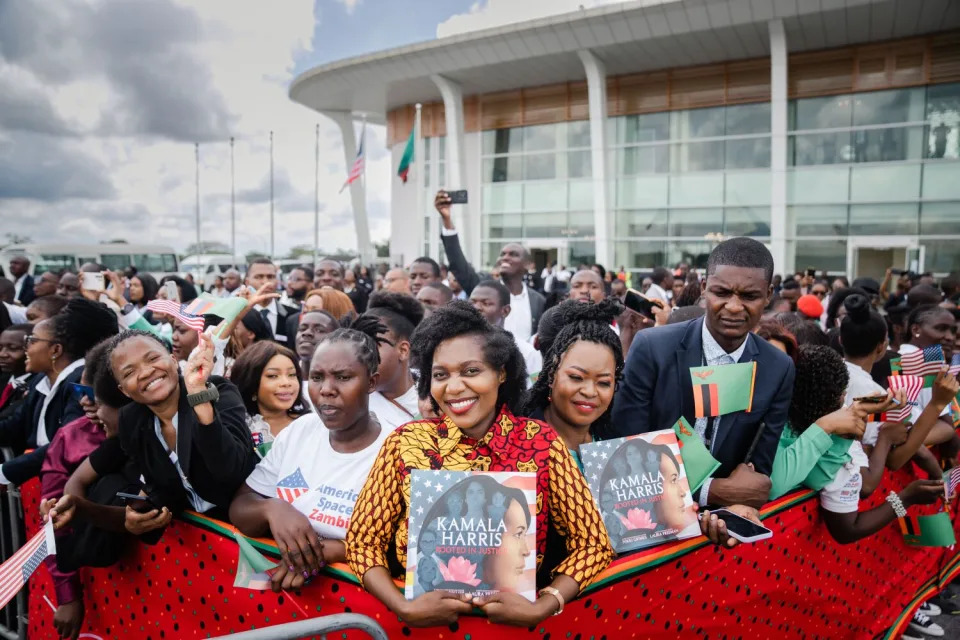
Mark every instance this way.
x=656 y=388
x=526 y=304
x=22 y=280
x=260 y=272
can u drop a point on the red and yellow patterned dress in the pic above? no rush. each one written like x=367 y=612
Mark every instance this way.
x=511 y=444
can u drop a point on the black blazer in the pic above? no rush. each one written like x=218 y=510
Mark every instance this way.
x=468 y=277
x=285 y=316
x=217 y=458
x=656 y=390
x=19 y=429
x=26 y=291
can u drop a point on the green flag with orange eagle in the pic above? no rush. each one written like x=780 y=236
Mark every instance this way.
x=723 y=389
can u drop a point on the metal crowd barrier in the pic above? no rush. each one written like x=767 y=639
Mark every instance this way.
x=13 y=617
x=322 y=626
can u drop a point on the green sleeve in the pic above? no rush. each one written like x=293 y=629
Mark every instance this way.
x=141 y=324
x=796 y=458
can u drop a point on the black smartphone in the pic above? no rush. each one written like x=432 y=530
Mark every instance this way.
x=742 y=529
x=897 y=272
x=140 y=504
x=871 y=399
x=458 y=197
x=636 y=301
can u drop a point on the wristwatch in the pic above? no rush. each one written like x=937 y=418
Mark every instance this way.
x=210 y=394
x=127 y=308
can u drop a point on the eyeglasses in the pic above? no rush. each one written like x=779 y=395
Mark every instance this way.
x=819 y=294
x=29 y=340
x=81 y=390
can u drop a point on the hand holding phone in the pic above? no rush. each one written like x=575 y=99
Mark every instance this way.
x=140 y=504
x=458 y=197
x=170 y=291
x=738 y=527
x=636 y=301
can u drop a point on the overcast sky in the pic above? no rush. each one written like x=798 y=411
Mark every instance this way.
x=102 y=100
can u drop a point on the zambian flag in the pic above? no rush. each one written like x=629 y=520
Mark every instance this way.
x=253 y=570
x=724 y=389
x=928 y=531
x=407 y=159
x=697 y=460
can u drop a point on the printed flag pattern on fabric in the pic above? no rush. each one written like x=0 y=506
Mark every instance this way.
x=922 y=362
x=724 y=389
x=292 y=487
x=912 y=386
x=15 y=572
x=955 y=365
x=357 y=169
x=253 y=570
x=171 y=308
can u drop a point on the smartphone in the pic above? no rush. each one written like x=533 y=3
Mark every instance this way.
x=458 y=197
x=140 y=504
x=812 y=273
x=897 y=272
x=636 y=301
x=170 y=289
x=871 y=399
x=742 y=529
x=93 y=282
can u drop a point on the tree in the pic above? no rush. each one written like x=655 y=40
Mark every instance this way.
x=252 y=255
x=302 y=251
x=382 y=248
x=208 y=248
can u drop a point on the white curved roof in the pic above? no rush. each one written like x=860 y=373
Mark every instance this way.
x=630 y=37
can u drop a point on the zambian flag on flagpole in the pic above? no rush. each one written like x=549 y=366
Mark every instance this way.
x=404 y=167
x=697 y=460
x=253 y=570
x=724 y=389
x=928 y=531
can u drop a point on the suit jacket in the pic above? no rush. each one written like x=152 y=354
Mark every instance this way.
x=468 y=278
x=285 y=315
x=26 y=291
x=216 y=458
x=19 y=429
x=656 y=390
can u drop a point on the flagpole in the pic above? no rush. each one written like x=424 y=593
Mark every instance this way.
x=420 y=186
x=316 y=199
x=271 y=197
x=196 y=156
x=363 y=176
x=233 y=208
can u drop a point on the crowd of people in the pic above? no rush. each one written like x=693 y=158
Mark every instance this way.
x=302 y=417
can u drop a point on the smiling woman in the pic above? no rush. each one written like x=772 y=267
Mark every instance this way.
x=186 y=434
x=475 y=378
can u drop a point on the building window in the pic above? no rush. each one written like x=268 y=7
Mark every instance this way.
x=940 y=218
x=828 y=255
x=941 y=256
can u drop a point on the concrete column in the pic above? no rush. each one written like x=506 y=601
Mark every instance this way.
x=597 y=99
x=463 y=215
x=358 y=200
x=782 y=229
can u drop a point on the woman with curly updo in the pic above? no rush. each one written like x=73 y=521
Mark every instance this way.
x=474 y=377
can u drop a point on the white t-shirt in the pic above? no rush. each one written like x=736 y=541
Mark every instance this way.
x=926 y=394
x=861 y=384
x=842 y=495
x=532 y=358
x=389 y=414
x=322 y=484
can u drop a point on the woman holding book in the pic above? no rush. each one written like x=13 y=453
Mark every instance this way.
x=474 y=376
x=582 y=363
x=319 y=463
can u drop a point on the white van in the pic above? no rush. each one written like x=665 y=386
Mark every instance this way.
x=157 y=260
x=206 y=266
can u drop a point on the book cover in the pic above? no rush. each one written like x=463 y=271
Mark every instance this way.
x=472 y=532
x=641 y=488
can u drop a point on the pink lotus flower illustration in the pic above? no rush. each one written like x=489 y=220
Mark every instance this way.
x=459 y=569
x=637 y=519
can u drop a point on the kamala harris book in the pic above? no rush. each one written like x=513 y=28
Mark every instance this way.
x=641 y=488
x=472 y=532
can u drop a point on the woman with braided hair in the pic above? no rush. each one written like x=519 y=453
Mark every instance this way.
x=475 y=379
x=303 y=492
x=582 y=364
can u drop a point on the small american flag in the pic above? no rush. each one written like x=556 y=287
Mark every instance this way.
x=174 y=309
x=951 y=478
x=955 y=365
x=357 y=170
x=292 y=487
x=922 y=362
x=15 y=572
x=912 y=385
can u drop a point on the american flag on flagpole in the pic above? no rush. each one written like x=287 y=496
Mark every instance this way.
x=15 y=572
x=912 y=385
x=174 y=309
x=922 y=362
x=357 y=170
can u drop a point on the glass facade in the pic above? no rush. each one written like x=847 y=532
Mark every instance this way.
x=882 y=163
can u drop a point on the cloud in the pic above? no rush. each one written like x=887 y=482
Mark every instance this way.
x=497 y=13
x=349 y=5
x=35 y=167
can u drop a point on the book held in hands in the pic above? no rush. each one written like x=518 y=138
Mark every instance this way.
x=641 y=488
x=472 y=532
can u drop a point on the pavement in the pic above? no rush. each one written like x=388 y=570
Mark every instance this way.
x=949 y=601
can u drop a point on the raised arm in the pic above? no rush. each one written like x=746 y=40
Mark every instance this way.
x=457 y=262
